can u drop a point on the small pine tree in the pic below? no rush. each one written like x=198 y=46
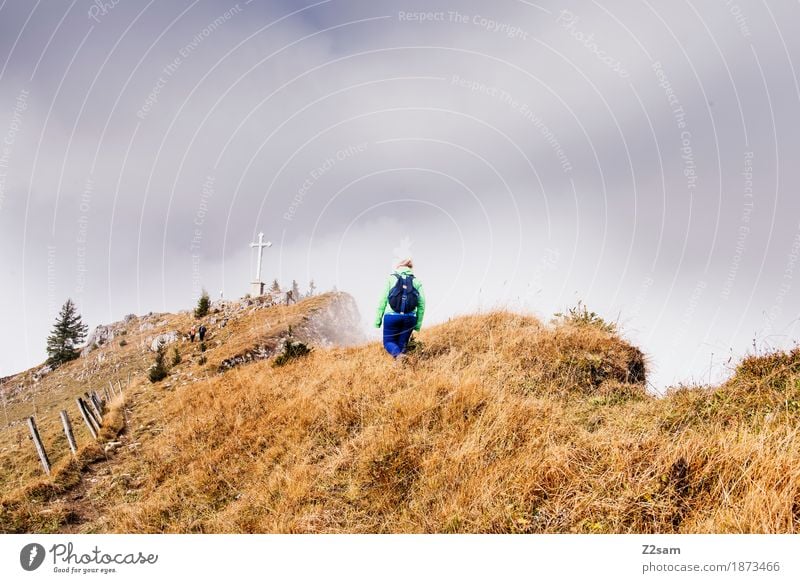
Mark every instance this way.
x=291 y=350
x=203 y=304
x=176 y=356
x=158 y=370
x=312 y=288
x=275 y=287
x=68 y=332
x=296 y=294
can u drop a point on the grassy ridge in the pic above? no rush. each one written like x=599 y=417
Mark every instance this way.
x=496 y=423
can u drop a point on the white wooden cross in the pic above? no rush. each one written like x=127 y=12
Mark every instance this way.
x=260 y=246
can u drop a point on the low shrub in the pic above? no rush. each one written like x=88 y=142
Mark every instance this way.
x=291 y=350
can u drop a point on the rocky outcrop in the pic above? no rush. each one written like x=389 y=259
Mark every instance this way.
x=164 y=339
x=224 y=309
x=338 y=323
x=100 y=336
x=252 y=355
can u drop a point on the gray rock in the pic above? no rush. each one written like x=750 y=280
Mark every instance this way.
x=45 y=370
x=165 y=339
x=100 y=336
x=112 y=446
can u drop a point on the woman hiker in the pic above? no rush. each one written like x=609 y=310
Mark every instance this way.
x=401 y=309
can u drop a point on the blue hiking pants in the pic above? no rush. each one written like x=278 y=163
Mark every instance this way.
x=397 y=329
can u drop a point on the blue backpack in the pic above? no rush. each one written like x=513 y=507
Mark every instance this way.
x=404 y=297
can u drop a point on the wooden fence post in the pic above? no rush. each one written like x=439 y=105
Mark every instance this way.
x=37 y=441
x=92 y=409
x=87 y=418
x=68 y=432
x=108 y=396
x=93 y=416
x=119 y=384
x=98 y=402
x=110 y=384
x=128 y=383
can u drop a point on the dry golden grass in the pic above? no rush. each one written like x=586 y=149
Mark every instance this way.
x=495 y=424
x=498 y=424
x=44 y=398
x=38 y=506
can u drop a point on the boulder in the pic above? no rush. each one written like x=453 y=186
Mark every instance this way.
x=45 y=370
x=112 y=446
x=100 y=336
x=165 y=339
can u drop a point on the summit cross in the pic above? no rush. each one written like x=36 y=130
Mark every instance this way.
x=258 y=285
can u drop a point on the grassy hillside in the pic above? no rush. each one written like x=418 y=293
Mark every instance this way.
x=238 y=332
x=496 y=423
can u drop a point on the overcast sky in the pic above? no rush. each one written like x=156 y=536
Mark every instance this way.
x=639 y=157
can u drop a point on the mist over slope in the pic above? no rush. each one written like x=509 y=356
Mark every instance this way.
x=496 y=423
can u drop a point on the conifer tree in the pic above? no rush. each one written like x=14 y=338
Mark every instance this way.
x=203 y=304
x=296 y=293
x=275 y=287
x=312 y=288
x=158 y=370
x=68 y=332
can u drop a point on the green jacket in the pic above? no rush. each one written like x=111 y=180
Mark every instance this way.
x=385 y=308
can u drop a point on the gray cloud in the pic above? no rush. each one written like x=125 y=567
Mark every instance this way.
x=633 y=157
